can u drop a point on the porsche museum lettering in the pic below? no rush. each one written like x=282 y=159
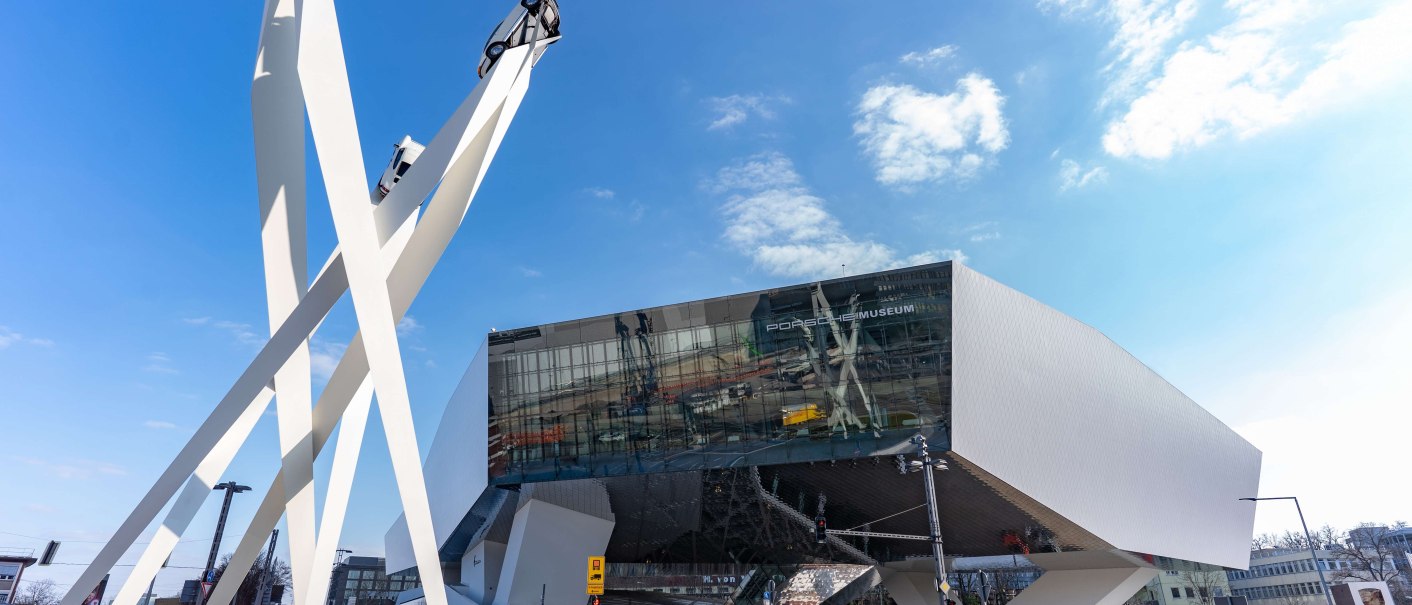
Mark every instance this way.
x=846 y=317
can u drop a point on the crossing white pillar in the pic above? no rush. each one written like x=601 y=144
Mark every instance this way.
x=385 y=253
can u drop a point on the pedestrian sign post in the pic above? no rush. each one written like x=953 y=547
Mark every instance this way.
x=597 y=569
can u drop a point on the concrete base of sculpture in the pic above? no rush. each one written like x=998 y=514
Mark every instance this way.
x=1086 y=578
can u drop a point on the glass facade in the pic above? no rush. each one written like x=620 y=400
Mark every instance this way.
x=845 y=368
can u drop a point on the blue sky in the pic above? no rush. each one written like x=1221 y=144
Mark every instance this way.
x=1219 y=187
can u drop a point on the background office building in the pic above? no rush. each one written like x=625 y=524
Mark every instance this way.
x=363 y=581
x=13 y=562
x=713 y=431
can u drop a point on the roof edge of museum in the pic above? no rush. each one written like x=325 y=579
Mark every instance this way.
x=510 y=332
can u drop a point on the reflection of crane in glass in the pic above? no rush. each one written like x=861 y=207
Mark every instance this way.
x=837 y=381
x=642 y=385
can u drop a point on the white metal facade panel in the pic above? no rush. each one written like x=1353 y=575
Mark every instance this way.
x=1055 y=409
x=456 y=466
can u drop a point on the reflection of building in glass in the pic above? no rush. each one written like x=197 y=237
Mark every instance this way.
x=709 y=434
x=361 y=581
x=827 y=371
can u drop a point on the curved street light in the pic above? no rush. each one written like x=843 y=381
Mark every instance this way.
x=1307 y=540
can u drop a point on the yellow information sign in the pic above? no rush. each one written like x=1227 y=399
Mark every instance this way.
x=594 y=589
x=597 y=569
x=945 y=587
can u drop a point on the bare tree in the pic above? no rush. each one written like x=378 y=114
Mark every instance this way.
x=1293 y=541
x=1204 y=582
x=1372 y=557
x=968 y=584
x=1007 y=584
x=1264 y=541
x=1326 y=537
x=247 y=594
x=37 y=592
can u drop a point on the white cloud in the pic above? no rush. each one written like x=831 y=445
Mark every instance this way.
x=242 y=332
x=159 y=425
x=528 y=272
x=915 y=136
x=982 y=232
x=159 y=363
x=1265 y=68
x=1073 y=176
x=736 y=109
x=1143 y=30
x=635 y=211
x=929 y=57
x=324 y=356
x=787 y=231
x=762 y=171
x=600 y=193
x=9 y=337
x=74 y=468
x=408 y=325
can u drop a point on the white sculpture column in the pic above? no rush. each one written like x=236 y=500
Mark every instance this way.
x=390 y=251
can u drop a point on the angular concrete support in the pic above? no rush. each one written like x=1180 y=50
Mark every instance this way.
x=481 y=568
x=557 y=527
x=1085 y=578
x=909 y=587
x=1085 y=587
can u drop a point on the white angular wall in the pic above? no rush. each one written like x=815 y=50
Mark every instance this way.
x=557 y=527
x=456 y=466
x=1055 y=409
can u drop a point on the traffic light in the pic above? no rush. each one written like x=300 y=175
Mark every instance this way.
x=821 y=529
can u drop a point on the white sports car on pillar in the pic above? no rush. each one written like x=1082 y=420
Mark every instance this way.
x=407 y=152
x=530 y=20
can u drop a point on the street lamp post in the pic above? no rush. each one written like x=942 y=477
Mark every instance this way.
x=1309 y=540
x=926 y=465
x=231 y=488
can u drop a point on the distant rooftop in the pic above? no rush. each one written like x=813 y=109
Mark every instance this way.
x=15 y=552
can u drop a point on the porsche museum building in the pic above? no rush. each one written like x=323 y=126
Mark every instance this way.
x=693 y=444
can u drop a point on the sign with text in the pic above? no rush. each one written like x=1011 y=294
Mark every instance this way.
x=597 y=569
x=594 y=589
